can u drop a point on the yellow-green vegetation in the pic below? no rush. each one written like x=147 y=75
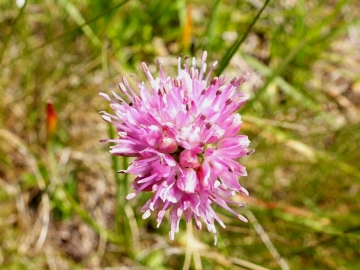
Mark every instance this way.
x=63 y=205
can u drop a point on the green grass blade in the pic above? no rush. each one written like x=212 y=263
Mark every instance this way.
x=13 y=27
x=230 y=53
x=292 y=91
x=209 y=34
x=291 y=55
x=79 y=19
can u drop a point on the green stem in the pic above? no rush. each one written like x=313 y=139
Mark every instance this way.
x=121 y=226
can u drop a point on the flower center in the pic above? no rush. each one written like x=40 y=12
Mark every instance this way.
x=189 y=159
x=168 y=145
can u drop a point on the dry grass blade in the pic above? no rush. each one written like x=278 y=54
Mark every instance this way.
x=233 y=263
x=20 y=146
x=266 y=239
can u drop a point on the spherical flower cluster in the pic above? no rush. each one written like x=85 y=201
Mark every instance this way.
x=183 y=133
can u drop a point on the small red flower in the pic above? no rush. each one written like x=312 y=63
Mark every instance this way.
x=51 y=121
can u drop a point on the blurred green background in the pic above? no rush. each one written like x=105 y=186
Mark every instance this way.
x=62 y=204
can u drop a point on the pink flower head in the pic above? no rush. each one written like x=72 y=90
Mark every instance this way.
x=183 y=133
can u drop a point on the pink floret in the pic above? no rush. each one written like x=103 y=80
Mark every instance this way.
x=183 y=133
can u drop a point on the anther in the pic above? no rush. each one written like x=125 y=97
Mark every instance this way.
x=214 y=81
x=130 y=196
x=126 y=82
x=192 y=73
x=243 y=204
x=204 y=55
x=122 y=134
x=234 y=80
x=176 y=82
x=166 y=89
x=145 y=68
x=222 y=79
x=229 y=101
x=122 y=87
x=250 y=152
x=211 y=197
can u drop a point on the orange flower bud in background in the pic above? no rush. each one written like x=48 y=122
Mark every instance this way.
x=187 y=31
x=51 y=121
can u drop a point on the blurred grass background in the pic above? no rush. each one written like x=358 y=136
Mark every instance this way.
x=58 y=195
